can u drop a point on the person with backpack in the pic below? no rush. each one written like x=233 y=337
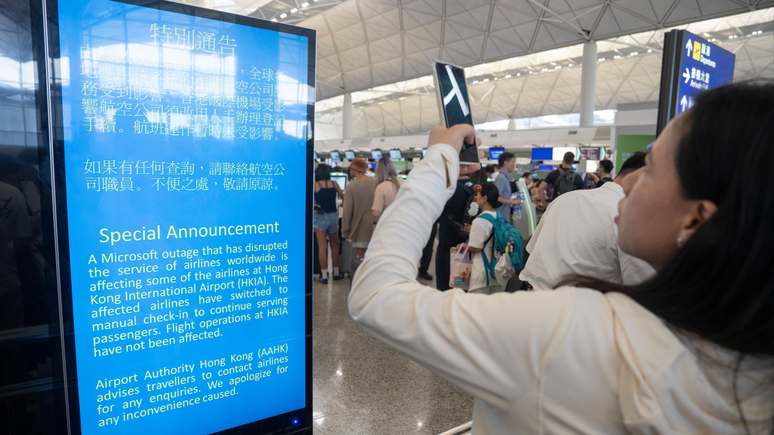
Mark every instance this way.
x=565 y=179
x=490 y=234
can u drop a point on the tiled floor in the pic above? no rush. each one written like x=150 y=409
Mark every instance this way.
x=364 y=387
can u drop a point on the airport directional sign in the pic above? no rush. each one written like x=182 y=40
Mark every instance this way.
x=703 y=65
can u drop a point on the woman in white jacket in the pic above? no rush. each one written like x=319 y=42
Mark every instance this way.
x=690 y=351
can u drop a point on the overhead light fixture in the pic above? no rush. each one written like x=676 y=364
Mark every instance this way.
x=530 y=72
x=294 y=10
x=518 y=74
x=305 y=4
x=495 y=78
x=475 y=81
x=544 y=69
x=570 y=65
x=601 y=59
x=274 y=20
x=283 y=15
x=706 y=34
x=649 y=51
x=507 y=76
x=558 y=67
x=486 y=80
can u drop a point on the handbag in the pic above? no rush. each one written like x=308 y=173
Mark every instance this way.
x=504 y=268
x=461 y=268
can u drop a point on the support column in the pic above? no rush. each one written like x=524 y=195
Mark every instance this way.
x=512 y=124
x=347 y=117
x=588 y=84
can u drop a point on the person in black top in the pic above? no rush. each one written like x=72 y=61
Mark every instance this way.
x=605 y=172
x=561 y=178
x=450 y=229
x=326 y=221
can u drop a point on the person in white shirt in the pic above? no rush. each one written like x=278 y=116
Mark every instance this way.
x=691 y=351
x=578 y=235
x=482 y=240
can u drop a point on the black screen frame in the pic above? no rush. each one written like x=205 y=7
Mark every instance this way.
x=279 y=424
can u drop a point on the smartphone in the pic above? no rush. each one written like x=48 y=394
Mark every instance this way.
x=454 y=104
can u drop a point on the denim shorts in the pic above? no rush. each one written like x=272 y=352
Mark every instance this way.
x=328 y=222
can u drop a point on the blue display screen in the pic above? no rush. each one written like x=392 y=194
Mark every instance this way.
x=494 y=153
x=703 y=66
x=546 y=168
x=187 y=260
x=376 y=154
x=542 y=153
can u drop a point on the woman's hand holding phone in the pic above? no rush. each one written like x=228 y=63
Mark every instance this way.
x=455 y=136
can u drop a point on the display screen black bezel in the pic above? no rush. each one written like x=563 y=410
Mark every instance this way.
x=297 y=421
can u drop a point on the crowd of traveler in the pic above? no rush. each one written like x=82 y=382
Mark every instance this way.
x=648 y=298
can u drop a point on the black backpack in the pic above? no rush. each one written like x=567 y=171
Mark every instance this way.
x=565 y=182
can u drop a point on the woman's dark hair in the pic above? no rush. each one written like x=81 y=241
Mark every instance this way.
x=322 y=173
x=492 y=194
x=720 y=285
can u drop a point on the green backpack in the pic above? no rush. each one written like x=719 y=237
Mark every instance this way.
x=506 y=239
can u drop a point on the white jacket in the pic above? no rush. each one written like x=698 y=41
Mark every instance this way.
x=568 y=361
x=578 y=234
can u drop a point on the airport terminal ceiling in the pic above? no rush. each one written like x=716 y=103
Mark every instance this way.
x=367 y=43
x=548 y=83
x=381 y=51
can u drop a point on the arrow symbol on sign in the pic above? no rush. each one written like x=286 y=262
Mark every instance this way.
x=688 y=48
x=683 y=103
x=687 y=75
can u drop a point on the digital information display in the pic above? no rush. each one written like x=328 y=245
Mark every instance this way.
x=188 y=265
x=542 y=154
x=703 y=66
x=494 y=153
x=590 y=153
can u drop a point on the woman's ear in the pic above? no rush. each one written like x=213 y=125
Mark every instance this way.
x=700 y=212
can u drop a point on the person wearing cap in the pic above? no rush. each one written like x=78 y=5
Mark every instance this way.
x=357 y=220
